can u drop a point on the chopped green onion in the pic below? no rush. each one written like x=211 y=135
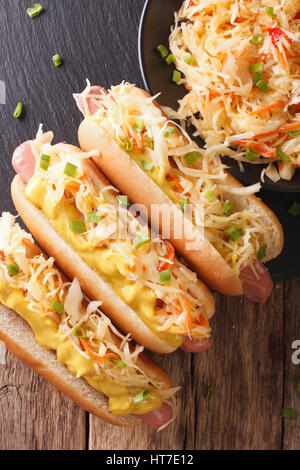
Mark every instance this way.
x=282 y=156
x=228 y=208
x=13 y=269
x=188 y=58
x=128 y=144
x=270 y=12
x=148 y=166
x=209 y=395
x=257 y=39
x=138 y=125
x=234 y=233
x=123 y=202
x=58 y=308
x=35 y=11
x=142 y=396
x=251 y=155
x=176 y=76
x=171 y=59
x=170 y=131
x=165 y=276
x=192 y=157
x=93 y=218
x=80 y=332
x=162 y=50
x=211 y=196
x=294 y=210
x=57 y=60
x=294 y=134
x=258 y=67
x=44 y=162
x=18 y=111
x=288 y=413
x=70 y=170
x=183 y=203
x=118 y=363
x=298 y=387
x=141 y=241
x=77 y=226
x=263 y=86
x=148 y=142
x=261 y=254
x=257 y=77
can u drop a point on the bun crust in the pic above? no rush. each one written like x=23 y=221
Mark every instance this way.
x=141 y=189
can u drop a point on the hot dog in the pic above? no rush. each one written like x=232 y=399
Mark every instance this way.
x=50 y=325
x=128 y=127
x=82 y=221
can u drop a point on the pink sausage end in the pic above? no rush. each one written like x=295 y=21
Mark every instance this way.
x=157 y=418
x=24 y=161
x=196 y=345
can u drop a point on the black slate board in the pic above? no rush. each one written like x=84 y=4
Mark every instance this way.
x=98 y=39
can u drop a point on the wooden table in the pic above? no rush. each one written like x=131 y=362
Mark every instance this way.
x=249 y=369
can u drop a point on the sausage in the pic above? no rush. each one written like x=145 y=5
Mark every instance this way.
x=93 y=107
x=196 y=345
x=257 y=288
x=24 y=161
x=157 y=418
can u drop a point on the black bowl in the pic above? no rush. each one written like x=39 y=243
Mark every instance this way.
x=155 y=28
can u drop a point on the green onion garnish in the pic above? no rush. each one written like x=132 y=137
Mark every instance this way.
x=258 y=67
x=183 y=203
x=162 y=50
x=123 y=202
x=294 y=210
x=93 y=218
x=261 y=254
x=228 y=208
x=176 y=76
x=288 y=413
x=80 y=332
x=128 y=144
x=165 y=276
x=270 y=12
x=211 y=196
x=192 y=157
x=138 y=125
x=57 y=60
x=141 y=241
x=148 y=166
x=77 y=226
x=44 y=162
x=257 y=39
x=35 y=11
x=251 y=155
x=142 y=396
x=118 y=363
x=263 y=86
x=188 y=58
x=170 y=131
x=282 y=156
x=257 y=77
x=209 y=395
x=171 y=59
x=148 y=142
x=58 y=308
x=234 y=233
x=294 y=134
x=70 y=170
x=18 y=111
x=13 y=269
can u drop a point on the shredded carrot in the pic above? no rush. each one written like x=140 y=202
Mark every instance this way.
x=203 y=321
x=266 y=108
x=282 y=60
x=132 y=269
x=73 y=185
x=289 y=127
x=93 y=355
x=171 y=257
x=188 y=87
x=177 y=184
x=259 y=147
x=280 y=166
x=144 y=269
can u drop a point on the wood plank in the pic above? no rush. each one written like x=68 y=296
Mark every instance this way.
x=34 y=415
x=291 y=333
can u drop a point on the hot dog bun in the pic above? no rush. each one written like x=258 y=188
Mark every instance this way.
x=140 y=188
x=19 y=340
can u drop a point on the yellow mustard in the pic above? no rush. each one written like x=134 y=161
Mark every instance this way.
x=101 y=259
x=46 y=331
